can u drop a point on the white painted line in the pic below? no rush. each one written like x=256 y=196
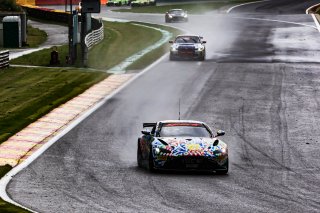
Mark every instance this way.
x=280 y=21
x=240 y=5
x=4 y=181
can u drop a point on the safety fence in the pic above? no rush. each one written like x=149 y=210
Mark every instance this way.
x=94 y=36
x=4 y=59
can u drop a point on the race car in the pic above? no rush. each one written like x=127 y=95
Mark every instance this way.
x=118 y=2
x=188 y=47
x=140 y=3
x=182 y=145
x=176 y=15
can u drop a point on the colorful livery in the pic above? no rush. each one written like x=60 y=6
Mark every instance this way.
x=182 y=145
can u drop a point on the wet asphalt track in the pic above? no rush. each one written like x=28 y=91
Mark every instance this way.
x=260 y=84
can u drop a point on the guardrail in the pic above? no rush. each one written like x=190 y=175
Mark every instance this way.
x=4 y=59
x=94 y=37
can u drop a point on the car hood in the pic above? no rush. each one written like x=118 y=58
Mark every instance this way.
x=182 y=146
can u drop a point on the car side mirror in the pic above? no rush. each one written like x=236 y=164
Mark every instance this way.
x=171 y=42
x=220 y=133
x=146 y=132
x=216 y=142
x=203 y=42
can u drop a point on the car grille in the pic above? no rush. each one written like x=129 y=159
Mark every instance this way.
x=177 y=18
x=186 y=50
x=190 y=163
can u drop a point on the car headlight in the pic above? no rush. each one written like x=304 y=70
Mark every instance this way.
x=174 y=49
x=157 y=151
x=170 y=16
x=185 y=15
x=201 y=48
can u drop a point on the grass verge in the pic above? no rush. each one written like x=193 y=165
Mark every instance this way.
x=152 y=56
x=26 y=94
x=35 y=36
x=121 y=41
x=192 y=8
x=4 y=206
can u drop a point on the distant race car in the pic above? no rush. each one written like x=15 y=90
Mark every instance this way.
x=118 y=2
x=141 y=3
x=182 y=145
x=176 y=15
x=188 y=47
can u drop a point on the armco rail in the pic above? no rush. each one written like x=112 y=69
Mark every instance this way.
x=4 y=59
x=94 y=37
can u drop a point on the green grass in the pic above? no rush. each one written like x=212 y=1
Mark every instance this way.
x=192 y=8
x=42 y=57
x=156 y=53
x=121 y=41
x=4 y=206
x=35 y=36
x=26 y=94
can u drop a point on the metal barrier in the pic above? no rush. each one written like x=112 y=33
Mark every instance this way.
x=94 y=37
x=4 y=59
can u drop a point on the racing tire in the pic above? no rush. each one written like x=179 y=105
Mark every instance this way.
x=151 y=163
x=202 y=57
x=225 y=171
x=171 y=58
x=139 y=156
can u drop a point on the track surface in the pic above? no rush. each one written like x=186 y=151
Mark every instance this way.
x=260 y=84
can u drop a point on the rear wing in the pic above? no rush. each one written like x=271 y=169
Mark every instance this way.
x=149 y=125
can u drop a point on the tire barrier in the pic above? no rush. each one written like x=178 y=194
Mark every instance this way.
x=4 y=59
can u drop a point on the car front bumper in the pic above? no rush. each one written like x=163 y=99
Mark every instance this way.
x=187 y=54
x=187 y=163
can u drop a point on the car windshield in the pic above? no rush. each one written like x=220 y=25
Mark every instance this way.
x=176 y=12
x=184 y=130
x=187 y=39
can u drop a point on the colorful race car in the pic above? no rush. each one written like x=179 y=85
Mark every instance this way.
x=182 y=145
x=176 y=15
x=188 y=47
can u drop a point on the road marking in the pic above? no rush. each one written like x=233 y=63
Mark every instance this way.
x=275 y=20
x=240 y=5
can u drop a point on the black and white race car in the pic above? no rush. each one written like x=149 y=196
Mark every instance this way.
x=188 y=47
x=182 y=145
x=176 y=15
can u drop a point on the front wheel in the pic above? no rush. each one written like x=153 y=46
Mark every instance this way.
x=139 y=156
x=151 y=163
x=171 y=58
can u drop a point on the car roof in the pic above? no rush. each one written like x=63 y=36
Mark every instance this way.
x=181 y=121
x=176 y=10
